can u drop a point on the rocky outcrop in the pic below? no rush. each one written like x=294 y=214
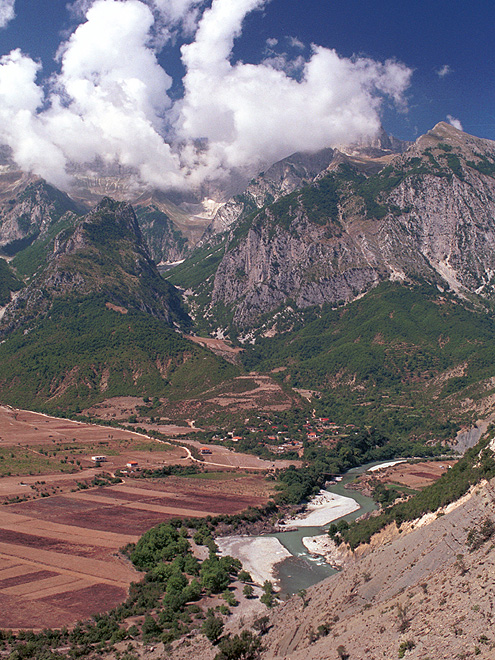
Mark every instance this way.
x=429 y=215
x=102 y=254
x=273 y=265
x=28 y=208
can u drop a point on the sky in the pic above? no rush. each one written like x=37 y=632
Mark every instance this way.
x=183 y=91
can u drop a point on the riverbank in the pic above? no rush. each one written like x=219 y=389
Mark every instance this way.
x=325 y=547
x=322 y=510
x=258 y=555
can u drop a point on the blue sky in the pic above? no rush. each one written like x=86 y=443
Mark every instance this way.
x=446 y=49
x=424 y=34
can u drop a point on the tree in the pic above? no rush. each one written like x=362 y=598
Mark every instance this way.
x=261 y=624
x=245 y=646
x=214 y=575
x=229 y=597
x=248 y=591
x=268 y=598
x=244 y=576
x=302 y=594
x=212 y=628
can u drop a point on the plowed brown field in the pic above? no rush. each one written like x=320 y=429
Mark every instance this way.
x=59 y=555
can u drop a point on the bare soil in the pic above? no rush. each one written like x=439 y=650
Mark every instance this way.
x=59 y=554
x=219 y=347
x=411 y=475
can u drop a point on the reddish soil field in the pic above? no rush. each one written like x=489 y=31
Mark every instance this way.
x=412 y=475
x=59 y=559
x=417 y=475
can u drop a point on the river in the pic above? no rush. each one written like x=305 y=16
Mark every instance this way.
x=303 y=570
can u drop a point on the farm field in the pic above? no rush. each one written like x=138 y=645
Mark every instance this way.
x=412 y=476
x=222 y=456
x=59 y=557
x=58 y=452
x=416 y=475
x=60 y=539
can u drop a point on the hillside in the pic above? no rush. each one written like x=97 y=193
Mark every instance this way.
x=409 y=360
x=422 y=589
x=424 y=594
x=102 y=252
x=87 y=350
x=9 y=283
x=97 y=320
x=427 y=215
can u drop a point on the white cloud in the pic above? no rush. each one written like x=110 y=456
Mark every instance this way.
x=20 y=129
x=454 y=122
x=110 y=99
x=294 y=42
x=6 y=12
x=443 y=71
x=258 y=112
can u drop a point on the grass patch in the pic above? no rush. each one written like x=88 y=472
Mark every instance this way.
x=21 y=462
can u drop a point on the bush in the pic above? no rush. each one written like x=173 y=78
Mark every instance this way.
x=212 y=628
x=245 y=646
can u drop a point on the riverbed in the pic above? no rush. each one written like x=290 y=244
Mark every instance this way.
x=283 y=557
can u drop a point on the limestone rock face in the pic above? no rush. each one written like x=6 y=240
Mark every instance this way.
x=28 y=208
x=429 y=215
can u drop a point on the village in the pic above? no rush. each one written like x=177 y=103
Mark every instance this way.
x=282 y=439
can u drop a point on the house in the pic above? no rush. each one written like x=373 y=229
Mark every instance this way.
x=205 y=450
x=132 y=464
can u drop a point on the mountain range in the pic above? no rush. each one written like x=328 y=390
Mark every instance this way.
x=359 y=281
x=338 y=271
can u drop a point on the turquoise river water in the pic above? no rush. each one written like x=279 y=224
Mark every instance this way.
x=302 y=570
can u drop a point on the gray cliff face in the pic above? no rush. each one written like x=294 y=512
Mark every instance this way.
x=28 y=208
x=304 y=265
x=430 y=215
x=451 y=225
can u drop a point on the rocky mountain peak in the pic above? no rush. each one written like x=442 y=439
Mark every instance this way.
x=427 y=214
x=102 y=254
x=445 y=136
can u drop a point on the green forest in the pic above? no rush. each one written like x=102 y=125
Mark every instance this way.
x=381 y=360
x=83 y=352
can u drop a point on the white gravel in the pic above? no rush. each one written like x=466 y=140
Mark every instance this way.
x=323 y=509
x=258 y=555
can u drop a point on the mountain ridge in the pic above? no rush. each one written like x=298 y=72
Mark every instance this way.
x=427 y=214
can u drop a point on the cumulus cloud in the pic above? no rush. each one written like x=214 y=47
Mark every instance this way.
x=171 y=15
x=6 y=12
x=109 y=99
x=454 y=122
x=250 y=111
x=443 y=71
